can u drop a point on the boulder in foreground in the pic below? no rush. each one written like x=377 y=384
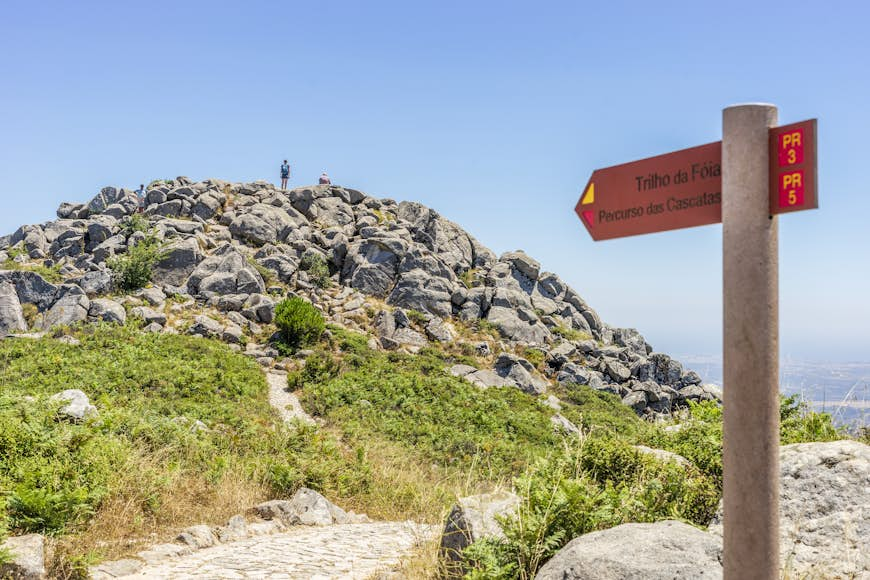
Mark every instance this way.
x=661 y=551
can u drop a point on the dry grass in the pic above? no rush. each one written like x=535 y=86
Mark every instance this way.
x=124 y=524
x=421 y=564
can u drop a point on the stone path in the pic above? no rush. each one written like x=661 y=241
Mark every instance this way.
x=284 y=401
x=350 y=551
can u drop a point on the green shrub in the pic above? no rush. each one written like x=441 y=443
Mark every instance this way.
x=596 y=411
x=416 y=316
x=133 y=269
x=594 y=484
x=317 y=268
x=136 y=223
x=300 y=323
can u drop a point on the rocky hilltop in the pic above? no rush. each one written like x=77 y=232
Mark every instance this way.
x=232 y=249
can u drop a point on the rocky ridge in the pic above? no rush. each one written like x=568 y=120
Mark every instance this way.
x=232 y=250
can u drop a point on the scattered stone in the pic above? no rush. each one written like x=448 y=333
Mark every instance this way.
x=205 y=326
x=28 y=558
x=198 y=537
x=78 y=407
x=563 y=425
x=471 y=519
x=148 y=315
x=663 y=455
x=107 y=311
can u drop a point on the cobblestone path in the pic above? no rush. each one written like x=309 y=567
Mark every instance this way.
x=352 y=551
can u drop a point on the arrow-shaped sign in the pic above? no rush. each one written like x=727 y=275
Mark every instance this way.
x=676 y=190
x=684 y=188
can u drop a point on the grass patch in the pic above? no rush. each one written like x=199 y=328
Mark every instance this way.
x=49 y=273
x=139 y=467
x=413 y=403
x=570 y=333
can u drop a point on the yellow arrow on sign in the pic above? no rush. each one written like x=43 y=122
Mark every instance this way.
x=589 y=196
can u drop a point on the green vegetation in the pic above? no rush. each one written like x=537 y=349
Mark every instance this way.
x=416 y=316
x=266 y=274
x=133 y=269
x=601 y=481
x=402 y=438
x=136 y=223
x=144 y=451
x=594 y=484
x=51 y=274
x=468 y=277
x=571 y=333
x=300 y=323
x=317 y=268
x=412 y=402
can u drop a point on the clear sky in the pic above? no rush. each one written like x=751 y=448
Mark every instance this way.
x=494 y=113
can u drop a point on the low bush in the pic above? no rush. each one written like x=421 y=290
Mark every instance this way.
x=300 y=323
x=133 y=270
x=317 y=268
x=594 y=484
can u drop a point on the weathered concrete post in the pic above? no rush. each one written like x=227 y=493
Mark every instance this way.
x=751 y=347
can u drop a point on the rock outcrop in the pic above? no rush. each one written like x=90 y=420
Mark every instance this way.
x=220 y=239
x=660 y=551
x=824 y=509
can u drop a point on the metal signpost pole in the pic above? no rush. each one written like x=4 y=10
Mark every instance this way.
x=751 y=347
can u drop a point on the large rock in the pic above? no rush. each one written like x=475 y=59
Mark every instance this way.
x=519 y=325
x=521 y=372
x=107 y=311
x=262 y=224
x=471 y=519
x=824 y=509
x=421 y=291
x=522 y=263
x=225 y=272
x=371 y=266
x=30 y=287
x=307 y=507
x=68 y=310
x=28 y=558
x=667 y=550
x=179 y=260
x=106 y=197
x=11 y=315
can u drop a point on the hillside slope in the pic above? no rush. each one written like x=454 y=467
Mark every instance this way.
x=224 y=244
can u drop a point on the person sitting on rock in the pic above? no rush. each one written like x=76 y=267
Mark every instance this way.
x=140 y=197
x=324 y=179
x=285 y=174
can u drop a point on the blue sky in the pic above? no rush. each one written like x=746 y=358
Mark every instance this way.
x=494 y=113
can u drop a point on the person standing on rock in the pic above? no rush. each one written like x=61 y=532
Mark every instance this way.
x=285 y=174
x=324 y=179
x=140 y=197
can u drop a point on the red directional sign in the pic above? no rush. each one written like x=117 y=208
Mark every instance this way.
x=683 y=189
x=793 y=179
x=676 y=190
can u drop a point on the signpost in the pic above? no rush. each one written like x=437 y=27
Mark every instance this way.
x=758 y=170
